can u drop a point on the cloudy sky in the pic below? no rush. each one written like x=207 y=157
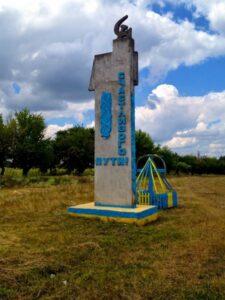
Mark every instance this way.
x=47 y=48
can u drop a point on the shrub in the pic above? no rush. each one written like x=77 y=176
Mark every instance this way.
x=34 y=172
x=89 y=172
x=13 y=172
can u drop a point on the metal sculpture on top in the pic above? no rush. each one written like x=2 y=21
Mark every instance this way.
x=122 y=31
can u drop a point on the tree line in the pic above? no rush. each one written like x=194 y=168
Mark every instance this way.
x=23 y=145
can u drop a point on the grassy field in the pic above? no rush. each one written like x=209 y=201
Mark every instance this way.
x=45 y=254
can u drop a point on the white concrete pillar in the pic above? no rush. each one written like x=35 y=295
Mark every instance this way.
x=113 y=78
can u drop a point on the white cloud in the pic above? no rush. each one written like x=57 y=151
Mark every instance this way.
x=166 y=113
x=71 y=110
x=52 y=129
x=217 y=149
x=91 y=125
x=171 y=44
x=47 y=47
x=165 y=92
x=185 y=124
x=181 y=142
x=213 y=10
x=3 y=110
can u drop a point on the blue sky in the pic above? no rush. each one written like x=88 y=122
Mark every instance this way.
x=197 y=80
x=181 y=11
x=46 y=57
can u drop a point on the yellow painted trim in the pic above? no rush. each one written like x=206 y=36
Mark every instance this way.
x=159 y=177
x=170 y=199
x=153 y=179
x=139 y=222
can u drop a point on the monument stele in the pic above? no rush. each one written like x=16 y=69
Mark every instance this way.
x=113 y=78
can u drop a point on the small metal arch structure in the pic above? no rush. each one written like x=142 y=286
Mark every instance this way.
x=152 y=186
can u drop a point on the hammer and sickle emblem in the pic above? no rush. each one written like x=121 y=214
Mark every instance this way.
x=122 y=31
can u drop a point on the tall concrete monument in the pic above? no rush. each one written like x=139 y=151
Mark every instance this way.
x=113 y=78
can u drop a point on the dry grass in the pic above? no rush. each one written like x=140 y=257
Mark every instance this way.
x=46 y=254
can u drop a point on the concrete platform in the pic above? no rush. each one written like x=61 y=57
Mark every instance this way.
x=140 y=215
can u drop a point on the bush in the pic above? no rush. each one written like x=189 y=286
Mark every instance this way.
x=34 y=172
x=89 y=172
x=9 y=181
x=183 y=168
x=61 y=171
x=13 y=172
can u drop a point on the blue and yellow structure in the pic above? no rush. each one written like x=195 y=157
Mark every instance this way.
x=152 y=186
x=139 y=215
x=153 y=193
x=121 y=195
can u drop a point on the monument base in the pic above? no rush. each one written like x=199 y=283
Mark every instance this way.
x=140 y=215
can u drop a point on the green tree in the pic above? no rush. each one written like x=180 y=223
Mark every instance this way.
x=74 y=148
x=221 y=162
x=29 y=148
x=170 y=157
x=183 y=168
x=4 y=144
x=212 y=165
x=190 y=160
x=144 y=145
x=46 y=158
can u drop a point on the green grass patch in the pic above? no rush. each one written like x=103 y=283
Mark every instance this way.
x=46 y=254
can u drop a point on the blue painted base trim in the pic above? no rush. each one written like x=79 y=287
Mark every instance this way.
x=100 y=203
x=112 y=213
x=175 y=199
x=162 y=200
